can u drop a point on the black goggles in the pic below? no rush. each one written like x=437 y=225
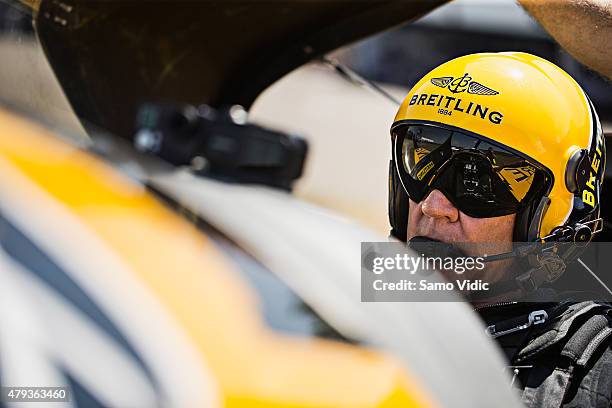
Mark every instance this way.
x=481 y=179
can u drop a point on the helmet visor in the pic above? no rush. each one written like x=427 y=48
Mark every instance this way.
x=481 y=178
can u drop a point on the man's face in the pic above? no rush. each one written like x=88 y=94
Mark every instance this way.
x=437 y=218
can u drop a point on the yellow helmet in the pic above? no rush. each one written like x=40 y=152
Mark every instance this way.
x=539 y=141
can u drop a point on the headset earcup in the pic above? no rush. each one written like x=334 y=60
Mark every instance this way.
x=528 y=221
x=398 y=205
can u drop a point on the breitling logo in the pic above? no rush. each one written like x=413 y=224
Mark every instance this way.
x=462 y=84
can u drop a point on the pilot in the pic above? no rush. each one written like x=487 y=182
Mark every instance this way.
x=504 y=148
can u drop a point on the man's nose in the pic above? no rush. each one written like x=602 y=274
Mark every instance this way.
x=436 y=205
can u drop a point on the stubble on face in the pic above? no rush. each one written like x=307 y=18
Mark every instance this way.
x=436 y=218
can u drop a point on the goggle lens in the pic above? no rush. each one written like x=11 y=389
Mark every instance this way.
x=479 y=177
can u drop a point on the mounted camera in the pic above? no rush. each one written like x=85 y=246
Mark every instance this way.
x=220 y=144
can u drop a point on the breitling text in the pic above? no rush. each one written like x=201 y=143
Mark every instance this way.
x=449 y=104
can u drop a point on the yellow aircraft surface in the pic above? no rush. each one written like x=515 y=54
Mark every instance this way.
x=141 y=280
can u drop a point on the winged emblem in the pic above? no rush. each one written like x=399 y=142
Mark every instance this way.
x=479 y=89
x=442 y=81
x=463 y=83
